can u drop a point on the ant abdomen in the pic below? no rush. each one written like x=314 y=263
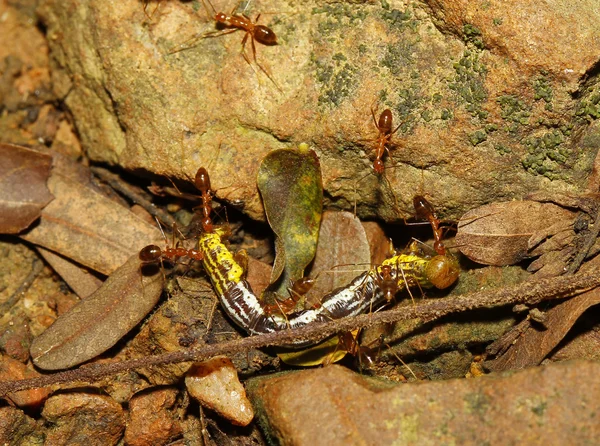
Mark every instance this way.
x=202 y=180
x=264 y=35
x=150 y=254
x=385 y=122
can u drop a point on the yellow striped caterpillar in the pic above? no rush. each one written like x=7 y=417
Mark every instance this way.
x=367 y=291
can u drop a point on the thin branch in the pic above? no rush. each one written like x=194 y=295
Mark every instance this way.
x=133 y=194
x=529 y=293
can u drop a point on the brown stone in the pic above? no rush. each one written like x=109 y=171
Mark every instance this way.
x=334 y=406
x=19 y=429
x=83 y=418
x=153 y=418
x=11 y=369
x=492 y=96
x=215 y=384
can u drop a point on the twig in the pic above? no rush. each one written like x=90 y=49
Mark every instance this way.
x=133 y=194
x=530 y=293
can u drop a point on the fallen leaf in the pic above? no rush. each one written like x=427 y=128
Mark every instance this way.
x=532 y=346
x=326 y=352
x=23 y=176
x=85 y=226
x=499 y=233
x=258 y=275
x=290 y=183
x=343 y=253
x=96 y=323
x=79 y=279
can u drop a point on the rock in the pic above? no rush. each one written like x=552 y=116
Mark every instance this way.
x=18 y=429
x=15 y=338
x=519 y=30
x=11 y=369
x=83 y=418
x=215 y=384
x=178 y=324
x=492 y=99
x=153 y=418
x=543 y=405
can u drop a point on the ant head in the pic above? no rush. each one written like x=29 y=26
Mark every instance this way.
x=439 y=247
x=302 y=285
x=442 y=271
x=221 y=17
x=202 y=180
x=150 y=254
x=378 y=166
x=207 y=224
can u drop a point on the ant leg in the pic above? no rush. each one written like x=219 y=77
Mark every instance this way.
x=401 y=361
x=161 y=230
x=146 y=3
x=260 y=66
x=374 y=118
x=412 y=298
x=243 y=10
x=211 y=318
x=246 y=58
x=212 y=34
x=211 y=5
x=196 y=40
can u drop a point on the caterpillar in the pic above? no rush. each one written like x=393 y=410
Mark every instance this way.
x=366 y=291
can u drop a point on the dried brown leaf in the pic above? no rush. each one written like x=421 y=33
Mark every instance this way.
x=96 y=323
x=532 y=346
x=23 y=190
x=81 y=281
x=85 y=226
x=499 y=233
x=258 y=275
x=342 y=253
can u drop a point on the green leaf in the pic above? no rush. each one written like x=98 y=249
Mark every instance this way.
x=326 y=352
x=290 y=183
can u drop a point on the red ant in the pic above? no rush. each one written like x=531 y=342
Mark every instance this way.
x=384 y=126
x=364 y=356
x=202 y=182
x=425 y=211
x=299 y=289
x=153 y=254
x=240 y=22
x=387 y=284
